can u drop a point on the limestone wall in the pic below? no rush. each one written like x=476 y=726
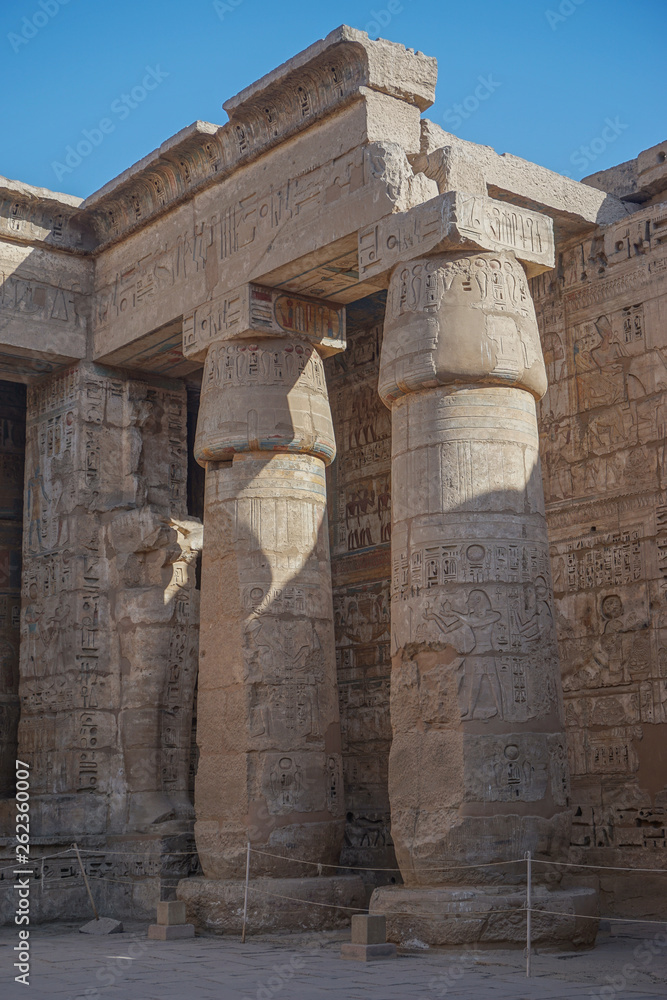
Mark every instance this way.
x=603 y=322
x=359 y=484
x=12 y=437
x=107 y=613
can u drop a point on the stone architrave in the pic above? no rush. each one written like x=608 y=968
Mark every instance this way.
x=268 y=718
x=478 y=766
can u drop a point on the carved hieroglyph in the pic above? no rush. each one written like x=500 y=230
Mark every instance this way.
x=478 y=768
x=359 y=488
x=603 y=424
x=108 y=650
x=268 y=722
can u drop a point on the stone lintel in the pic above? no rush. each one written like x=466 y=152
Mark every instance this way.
x=349 y=59
x=458 y=165
x=457 y=221
x=344 y=67
x=639 y=180
x=254 y=310
x=37 y=216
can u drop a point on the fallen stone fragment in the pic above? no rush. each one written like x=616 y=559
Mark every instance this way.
x=104 y=925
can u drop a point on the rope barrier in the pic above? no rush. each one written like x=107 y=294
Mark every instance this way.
x=360 y=868
x=77 y=882
x=609 y=868
x=101 y=851
x=586 y=916
x=400 y=913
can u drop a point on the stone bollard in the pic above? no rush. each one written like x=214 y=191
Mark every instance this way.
x=369 y=939
x=171 y=925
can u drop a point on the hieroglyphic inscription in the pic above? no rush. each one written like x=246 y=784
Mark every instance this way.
x=248 y=364
x=602 y=443
x=254 y=309
x=451 y=221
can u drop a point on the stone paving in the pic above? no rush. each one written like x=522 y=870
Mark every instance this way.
x=629 y=964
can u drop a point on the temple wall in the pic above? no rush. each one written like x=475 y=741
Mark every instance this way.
x=109 y=628
x=12 y=443
x=359 y=484
x=603 y=323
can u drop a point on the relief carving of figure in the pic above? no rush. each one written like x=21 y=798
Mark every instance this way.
x=384 y=513
x=599 y=365
x=38 y=511
x=480 y=669
x=358 y=512
x=621 y=654
x=290 y=657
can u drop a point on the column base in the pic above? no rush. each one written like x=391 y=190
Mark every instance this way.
x=216 y=905
x=172 y=932
x=487 y=917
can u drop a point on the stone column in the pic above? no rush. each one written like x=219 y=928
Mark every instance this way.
x=268 y=720
x=478 y=766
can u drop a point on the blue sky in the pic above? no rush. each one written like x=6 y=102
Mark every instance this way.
x=575 y=85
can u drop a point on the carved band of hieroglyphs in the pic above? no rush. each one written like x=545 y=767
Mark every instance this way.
x=240 y=226
x=497 y=282
x=23 y=296
x=252 y=309
x=455 y=221
x=250 y=365
x=447 y=561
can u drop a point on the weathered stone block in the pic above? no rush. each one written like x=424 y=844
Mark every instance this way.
x=369 y=929
x=104 y=925
x=171 y=912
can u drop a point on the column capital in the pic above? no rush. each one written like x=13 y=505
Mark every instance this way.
x=460 y=318
x=250 y=311
x=457 y=221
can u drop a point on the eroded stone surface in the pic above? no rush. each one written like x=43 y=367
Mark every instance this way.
x=274 y=904
x=110 y=612
x=467 y=916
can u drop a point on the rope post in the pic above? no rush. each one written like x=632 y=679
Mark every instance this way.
x=529 y=887
x=245 y=901
x=85 y=879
